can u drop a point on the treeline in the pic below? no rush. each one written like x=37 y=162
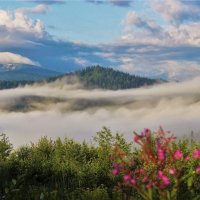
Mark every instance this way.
x=108 y=78
x=13 y=84
x=60 y=169
x=93 y=77
x=68 y=170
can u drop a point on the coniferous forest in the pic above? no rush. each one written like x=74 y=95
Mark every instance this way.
x=92 y=77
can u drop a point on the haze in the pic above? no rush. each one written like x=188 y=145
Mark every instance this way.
x=62 y=110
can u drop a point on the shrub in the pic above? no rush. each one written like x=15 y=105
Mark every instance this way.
x=159 y=168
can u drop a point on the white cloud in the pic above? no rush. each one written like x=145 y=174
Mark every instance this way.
x=177 y=11
x=9 y=58
x=140 y=30
x=165 y=69
x=133 y=19
x=39 y=9
x=81 y=61
x=17 y=28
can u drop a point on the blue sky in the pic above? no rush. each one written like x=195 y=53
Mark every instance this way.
x=151 y=38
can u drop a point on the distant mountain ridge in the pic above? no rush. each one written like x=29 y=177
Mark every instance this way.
x=91 y=78
x=24 y=72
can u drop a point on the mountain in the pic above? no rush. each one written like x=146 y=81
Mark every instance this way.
x=90 y=77
x=108 y=78
x=24 y=72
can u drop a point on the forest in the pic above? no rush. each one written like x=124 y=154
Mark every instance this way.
x=107 y=168
x=92 y=77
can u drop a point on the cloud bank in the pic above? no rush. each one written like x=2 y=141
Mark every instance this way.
x=55 y=109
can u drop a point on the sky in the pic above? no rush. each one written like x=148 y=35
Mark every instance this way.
x=152 y=38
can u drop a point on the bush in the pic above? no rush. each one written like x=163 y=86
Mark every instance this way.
x=160 y=168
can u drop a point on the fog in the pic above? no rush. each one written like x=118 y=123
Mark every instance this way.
x=65 y=109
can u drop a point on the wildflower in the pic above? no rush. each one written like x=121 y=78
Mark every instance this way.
x=145 y=179
x=133 y=181
x=146 y=131
x=115 y=171
x=187 y=158
x=127 y=178
x=178 y=155
x=115 y=165
x=142 y=171
x=198 y=170
x=161 y=155
x=149 y=185
x=165 y=180
x=196 y=154
x=160 y=174
x=137 y=138
x=171 y=171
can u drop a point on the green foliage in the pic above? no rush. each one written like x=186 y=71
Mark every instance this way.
x=13 y=84
x=108 y=78
x=66 y=169
x=60 y=169
x=92 y=77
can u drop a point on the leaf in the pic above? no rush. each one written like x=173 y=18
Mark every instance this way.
x=42 y=196
x=190 y=181
x=6 y=190
x=14 y=181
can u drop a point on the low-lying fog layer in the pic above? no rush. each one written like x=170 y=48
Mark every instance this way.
x=59 y=109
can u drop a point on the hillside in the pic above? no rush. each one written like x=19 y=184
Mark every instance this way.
x=108 y=78
x=90 y=77
x=24 y=72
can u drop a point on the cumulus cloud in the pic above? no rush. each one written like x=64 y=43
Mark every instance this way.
x=171 y=70
x=9 y=58
x=17 y=28
x=139 y=29
x=55 y=109
x=148 y=47
x=39 y=9
x=133 y=19
x=177 y=11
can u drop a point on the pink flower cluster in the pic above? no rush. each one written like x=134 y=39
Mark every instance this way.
x=164 y=179
x=196 y=154
x=162 y=163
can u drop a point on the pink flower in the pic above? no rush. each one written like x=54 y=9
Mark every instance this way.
x=127 y=178
x=145 y=179
x=171 y=171
x=142 y=171
x=187 y=158
x=137 y=138
x=146 y=131
x=196 y=154
x=149 y=185
x=165 y=180
x=178 y=155
x=161 y=155
x=133 y=181
x=198 y=170
x=115 y=165
x=115 y=171
x=160 y=174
